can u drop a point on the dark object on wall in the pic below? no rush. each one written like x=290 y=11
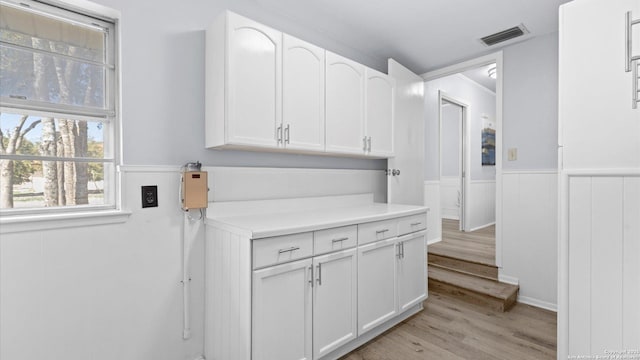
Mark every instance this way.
x=150 y=196
x=488 y=146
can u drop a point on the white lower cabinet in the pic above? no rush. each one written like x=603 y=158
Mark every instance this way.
x=334 y=301
x=282 y=312
x=411 y=271
x=377 y=290
x=391 y=279
x=311 y=294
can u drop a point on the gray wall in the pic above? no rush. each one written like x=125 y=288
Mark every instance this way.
x=530 y=118
x=451 y=123
x=479 y=100
x=163 y=84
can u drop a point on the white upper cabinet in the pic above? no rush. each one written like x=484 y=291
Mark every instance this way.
x=303 y=95
x=344 y=105
x=244 y=83
x=270 y=91
x=379 y=124
x=599 y=128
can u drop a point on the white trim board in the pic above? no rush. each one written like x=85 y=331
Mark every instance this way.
x=483 y=226
x=538 y=303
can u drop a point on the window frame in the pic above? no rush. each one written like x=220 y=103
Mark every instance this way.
x=86 y=14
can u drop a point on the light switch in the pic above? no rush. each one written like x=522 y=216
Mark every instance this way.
x=512 y=154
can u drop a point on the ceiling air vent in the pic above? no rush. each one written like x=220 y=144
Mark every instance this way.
x=504 y=35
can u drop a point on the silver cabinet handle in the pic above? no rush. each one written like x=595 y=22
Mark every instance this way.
x=402 y=249
x=287 y=133
x=369 y=143
x=319 y=273
x=364 y=143
x=399 y=251
x=416 y=223
x=311 y=275
x=279 y=134
x=382 y=231
x=339 y=240
x=630 y=23
x=293 y=248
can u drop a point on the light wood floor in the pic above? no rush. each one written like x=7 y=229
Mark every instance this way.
x=450 y=328
x=476 y=246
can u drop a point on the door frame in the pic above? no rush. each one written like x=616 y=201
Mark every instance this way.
x=496 y=58
x=464 y=167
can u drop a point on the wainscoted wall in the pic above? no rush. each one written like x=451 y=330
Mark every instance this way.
x=450 y=197
x=432 y=200
x=113 y=291
x=603 y=264
x=529 y=235
x=482 y=204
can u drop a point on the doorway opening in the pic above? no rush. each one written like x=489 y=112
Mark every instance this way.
x=468 y=130
x=453 y=159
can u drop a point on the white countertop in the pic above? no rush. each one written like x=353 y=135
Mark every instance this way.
x=257 y=226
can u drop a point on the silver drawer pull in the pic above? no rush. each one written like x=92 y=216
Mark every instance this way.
x=339 y=240
x=416 y=223
x=382 y=231
x=293 y=248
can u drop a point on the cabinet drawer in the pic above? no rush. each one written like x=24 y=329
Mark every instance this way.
x=409 y=224
x=325 y=241
x=282 y=249
x=377 y=230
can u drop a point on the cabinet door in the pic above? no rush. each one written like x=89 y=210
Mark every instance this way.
x=302 y=95
x=282 y=297
x=595 y=110
x=344 y=105
x=377 y=299
x=412 y=271
x=254 y=81
x=334 y=301
x=379 y=113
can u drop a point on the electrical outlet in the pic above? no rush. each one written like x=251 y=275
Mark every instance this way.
x=150 y=196
x=512 y=154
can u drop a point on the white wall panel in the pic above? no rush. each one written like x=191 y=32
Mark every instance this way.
x=450 y=198
x=604 y=252
x=482 y=203
x=606 y=264
x=529 y=234
x=631 y=263
x=580 y=266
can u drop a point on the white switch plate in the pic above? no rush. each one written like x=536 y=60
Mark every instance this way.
x=512 y=154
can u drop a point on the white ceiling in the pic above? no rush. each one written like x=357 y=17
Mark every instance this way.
x=423 y=35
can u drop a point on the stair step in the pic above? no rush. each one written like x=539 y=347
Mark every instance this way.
x=497 y=295
x=464 y=266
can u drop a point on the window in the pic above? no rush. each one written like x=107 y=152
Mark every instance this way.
x=58 y=131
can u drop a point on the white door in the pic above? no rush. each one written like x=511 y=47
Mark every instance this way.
x=254 y=82
x=379 y=100
x=412 y=271
x=302 y=95
x=377 y=291
x=334 y=301
x=408 y=186
x=281 y=316
x=344 y=115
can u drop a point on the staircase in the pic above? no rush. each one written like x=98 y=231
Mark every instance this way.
x=469 y=279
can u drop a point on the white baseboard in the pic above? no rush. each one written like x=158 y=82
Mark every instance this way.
x=508 y=279
x=450 y=217
x=538 y=303
x=483 y=226
x=433 y=241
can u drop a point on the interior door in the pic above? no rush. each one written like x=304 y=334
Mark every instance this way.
x=407 y=187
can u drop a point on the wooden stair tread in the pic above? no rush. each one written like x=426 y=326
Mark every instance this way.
x=476 y=284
